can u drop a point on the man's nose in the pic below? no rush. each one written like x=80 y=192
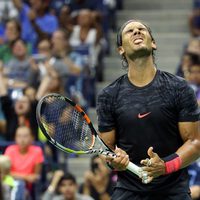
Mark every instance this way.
x=136 y=31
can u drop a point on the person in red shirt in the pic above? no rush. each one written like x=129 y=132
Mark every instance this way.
x=26 y=159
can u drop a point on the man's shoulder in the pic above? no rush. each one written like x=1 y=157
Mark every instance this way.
x=170 y=75
x=113 y=87
x=172 y=79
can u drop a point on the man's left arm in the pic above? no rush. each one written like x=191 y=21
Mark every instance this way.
x=190 y=150
x=184 y=156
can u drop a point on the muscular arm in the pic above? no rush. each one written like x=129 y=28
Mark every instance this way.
x=190 y=150
x=121 y=161
x=109 y=138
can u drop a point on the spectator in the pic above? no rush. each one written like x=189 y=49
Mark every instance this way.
x=69 y=65
x=21 y=112
x=63 y=187
x=7 y=11
x=26 y=159
x=98 y=182
x=15 y=189
x=36 y=22
x=194 y=79
x=191 y=54
x=38 y=61
x=84 y=34
x=12 y=32
x=65 y=62
x=186 y=61
x=65 y=19
x=19 y=67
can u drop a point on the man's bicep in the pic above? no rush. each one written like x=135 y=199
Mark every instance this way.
x=109 y=138
x=189 y=130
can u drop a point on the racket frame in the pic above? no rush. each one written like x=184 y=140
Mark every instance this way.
x=107 y=151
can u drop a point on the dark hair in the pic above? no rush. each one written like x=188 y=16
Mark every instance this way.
x=119 y=39
x=67 y=176
x=18 y=25
x=119 y=33
x=16 y=40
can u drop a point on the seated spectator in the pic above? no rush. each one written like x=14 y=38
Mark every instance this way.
x=69 y=65
x=65 y=19
x=191 y=53
x=7 y=11
x=16 y=189
x=194 y=79
x=19 y=67
x=64 y=62
x=36 y=22
x=26 y=159
x=84 y=34
x=98 y=182
x=63 y=187
x=186 y=61
x=17 y=113
x=87 y=34
x=194 y=181
x=194 y=46
x=38 y=61
x=12 y=32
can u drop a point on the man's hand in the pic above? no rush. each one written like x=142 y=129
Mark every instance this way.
x=119 y=162
x=154 y=165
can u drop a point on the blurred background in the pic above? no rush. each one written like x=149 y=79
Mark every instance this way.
x=69 y=47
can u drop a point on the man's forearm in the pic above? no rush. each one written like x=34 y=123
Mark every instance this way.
x=189 y=152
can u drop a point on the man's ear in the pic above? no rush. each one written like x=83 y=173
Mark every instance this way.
x=154 y=47
x=121 y=50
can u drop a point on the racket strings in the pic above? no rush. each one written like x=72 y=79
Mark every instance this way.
x=65 y=124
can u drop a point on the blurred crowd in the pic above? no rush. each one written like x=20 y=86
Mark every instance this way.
x=59 y=46
x=49 y=46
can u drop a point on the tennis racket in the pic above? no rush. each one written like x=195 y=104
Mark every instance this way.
x=68 y=127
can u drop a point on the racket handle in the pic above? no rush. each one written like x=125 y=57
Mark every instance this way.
x=135 y=169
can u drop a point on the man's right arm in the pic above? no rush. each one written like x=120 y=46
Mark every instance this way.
x=121 y=161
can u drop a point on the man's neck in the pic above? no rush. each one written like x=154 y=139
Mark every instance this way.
x=141 y=71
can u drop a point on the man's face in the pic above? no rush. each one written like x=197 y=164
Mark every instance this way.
x=136 y=39
x=68 y=189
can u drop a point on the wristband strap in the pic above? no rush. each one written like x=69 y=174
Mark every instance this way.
x=170 y=157
x=173 y=165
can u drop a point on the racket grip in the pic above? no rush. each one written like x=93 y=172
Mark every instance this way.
x=135 y=169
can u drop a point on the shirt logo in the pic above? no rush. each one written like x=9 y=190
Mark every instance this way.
x=140 y=116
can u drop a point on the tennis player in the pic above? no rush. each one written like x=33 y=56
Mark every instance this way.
x=151 y=118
